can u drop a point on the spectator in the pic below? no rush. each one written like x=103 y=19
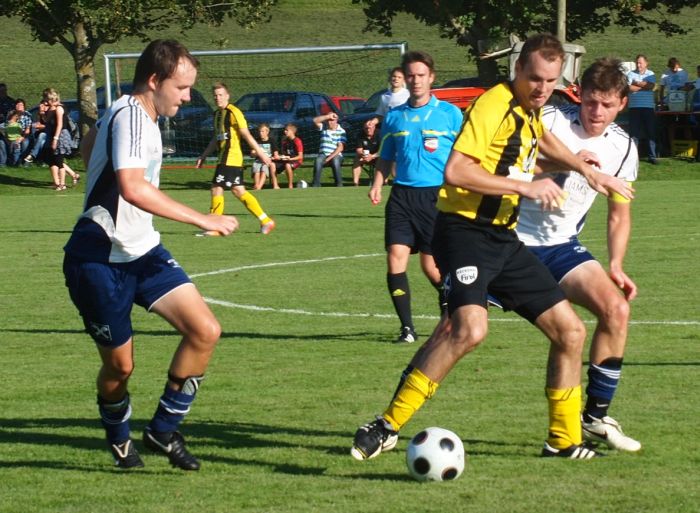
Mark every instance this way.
x=673 y=79
x=396 y=94
x=367 y=151
x=6 y=103
x=25 y=120
x=61 y=145
x=261 y=170
x=12 y=132
x=38 y=133
x=641 y=105
x=291 y=156
x=330 y=153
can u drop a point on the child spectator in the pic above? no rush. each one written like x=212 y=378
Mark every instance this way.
x=12 y=130
x=291 y=155
x=260 y=170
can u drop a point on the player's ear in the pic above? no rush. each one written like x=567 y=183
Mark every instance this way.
x=152 y=82
x=623 y=104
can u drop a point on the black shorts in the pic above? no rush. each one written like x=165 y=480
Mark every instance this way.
x=478 y=260
x=410 y=217
x=228 y=176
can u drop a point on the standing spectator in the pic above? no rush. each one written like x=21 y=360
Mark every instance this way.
x=6 y=103
x=478 y=252
x=552 y=235
x=291 y=155
x=25 y=120
x=61 y=143
x=416 y=140
x=230 y=126
x=396 y=94
x=330 y=153
x=673 y=79
x=260 y=170
x=642 y=117
x=114 y=258
x=367 y=151
x=38 y=132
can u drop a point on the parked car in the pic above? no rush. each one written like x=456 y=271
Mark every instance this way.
x=348 y=104
x=277 y=108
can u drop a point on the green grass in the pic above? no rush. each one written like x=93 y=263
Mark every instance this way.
x=285 y=391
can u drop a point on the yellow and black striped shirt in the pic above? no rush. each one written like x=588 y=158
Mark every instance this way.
x=502 y=136
x=227 y=123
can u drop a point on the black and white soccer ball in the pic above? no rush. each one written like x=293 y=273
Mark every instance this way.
x=435 y=454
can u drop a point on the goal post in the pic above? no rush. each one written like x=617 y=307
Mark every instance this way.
x=344 y=70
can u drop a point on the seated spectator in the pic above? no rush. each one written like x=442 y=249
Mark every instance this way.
x=673 y=79
x=6 y=103
x=290 y=157
x=25 y=120
x=330 y=153
x=12 y=133
x=367 y=151
x=38 y=133
x=260 y=170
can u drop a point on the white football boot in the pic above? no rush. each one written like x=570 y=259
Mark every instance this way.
x=608 y=431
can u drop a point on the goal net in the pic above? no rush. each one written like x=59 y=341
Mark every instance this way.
x=355 y=71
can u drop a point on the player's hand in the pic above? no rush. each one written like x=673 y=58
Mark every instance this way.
x=266 y=160
x=605 y=184
x=375 y=194
x=225 y=225
x=545 y=192
x=624 y=283
x=590 y=158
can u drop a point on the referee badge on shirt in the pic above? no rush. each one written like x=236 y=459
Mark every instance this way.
x=430 y=143
x=467 y=275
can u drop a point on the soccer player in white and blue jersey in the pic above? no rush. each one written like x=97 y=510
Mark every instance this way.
x=590 y=131
x=114 y=258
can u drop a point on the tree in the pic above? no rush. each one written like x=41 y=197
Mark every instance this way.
x=474 y=23
x=83 y=26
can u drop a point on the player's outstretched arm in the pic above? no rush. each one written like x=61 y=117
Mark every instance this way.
x=375 y=192
x=619 y=228
x=136 y=190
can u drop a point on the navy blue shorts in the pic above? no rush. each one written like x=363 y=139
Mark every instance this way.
x=105 y=293
x=476 y=261
x=410 y=217
x=562 y=258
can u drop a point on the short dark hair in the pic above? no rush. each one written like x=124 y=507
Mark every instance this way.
x=416 y=56
x=549 y=47
x=20 y=100
x=642 y=56
x=605 y=75
x=672 y=62
x=395 y=69
x=161 y=57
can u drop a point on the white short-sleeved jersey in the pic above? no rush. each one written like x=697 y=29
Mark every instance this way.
x=618 y=156
x=127 y=138
x=389 y=100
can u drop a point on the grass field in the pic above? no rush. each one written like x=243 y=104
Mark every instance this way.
x=305 y=358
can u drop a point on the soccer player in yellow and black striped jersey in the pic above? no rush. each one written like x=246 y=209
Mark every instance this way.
x=230 y=127
x=478 y=252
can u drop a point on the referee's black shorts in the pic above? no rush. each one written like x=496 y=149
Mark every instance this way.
x=410 y=217
x=477 y=260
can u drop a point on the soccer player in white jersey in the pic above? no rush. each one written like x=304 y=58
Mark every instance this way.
x=114 y=258
x=552 y=235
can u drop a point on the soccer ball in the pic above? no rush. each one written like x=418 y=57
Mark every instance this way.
x=301 y=184
x=435 y=454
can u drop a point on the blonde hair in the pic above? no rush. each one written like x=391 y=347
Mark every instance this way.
x=51 y=95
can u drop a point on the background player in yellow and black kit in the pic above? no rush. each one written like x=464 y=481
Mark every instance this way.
x=230 y=127
x=478 y=252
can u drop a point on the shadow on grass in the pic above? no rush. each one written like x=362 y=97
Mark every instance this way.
x=41 y=182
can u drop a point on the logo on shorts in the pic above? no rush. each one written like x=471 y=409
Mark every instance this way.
x=101 y=331
x=173 y=263
x=219 y=178
x=467 y=275
x=580 y=249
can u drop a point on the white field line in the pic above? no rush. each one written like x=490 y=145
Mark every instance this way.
x=296 y=311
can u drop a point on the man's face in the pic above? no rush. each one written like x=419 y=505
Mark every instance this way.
x=419 y=79
x=171 y=92
x=19 y=107
x=535 y=81
x=397 y=80
x=221 y=97
x=599 y=109
x=641 y=64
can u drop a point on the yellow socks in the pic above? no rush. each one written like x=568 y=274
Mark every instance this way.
x=254 y=207
x=564 y=417
x=410 y=397
x=217 y=205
